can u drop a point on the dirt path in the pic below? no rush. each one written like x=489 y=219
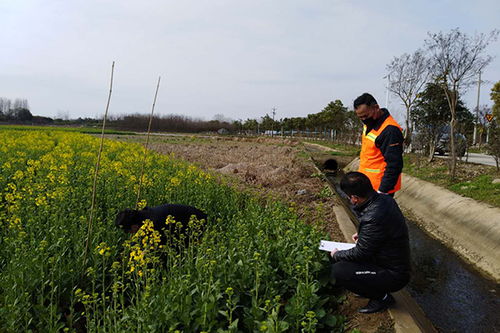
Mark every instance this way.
x=280 y=169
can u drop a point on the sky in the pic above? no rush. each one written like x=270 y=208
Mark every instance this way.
x=233 y=57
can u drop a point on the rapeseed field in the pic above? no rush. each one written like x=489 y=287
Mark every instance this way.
x=253 y=266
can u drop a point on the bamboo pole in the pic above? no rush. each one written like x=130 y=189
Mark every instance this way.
x=88 y=241
x=147 y=143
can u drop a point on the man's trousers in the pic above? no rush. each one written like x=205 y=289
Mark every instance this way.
x=367 y=280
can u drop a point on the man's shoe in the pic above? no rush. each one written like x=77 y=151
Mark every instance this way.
x=377 y=305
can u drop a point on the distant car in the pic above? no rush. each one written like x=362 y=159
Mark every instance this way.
x=443 y=142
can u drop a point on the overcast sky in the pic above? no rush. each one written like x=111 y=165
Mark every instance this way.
x=231 y=57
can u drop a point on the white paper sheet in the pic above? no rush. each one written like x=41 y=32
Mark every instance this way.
x=330 y=246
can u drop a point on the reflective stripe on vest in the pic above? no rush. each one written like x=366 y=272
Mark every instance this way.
x=372 y=162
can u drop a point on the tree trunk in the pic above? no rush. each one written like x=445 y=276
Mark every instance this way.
x=453 y=152
x=408 y=129
x=432 y=149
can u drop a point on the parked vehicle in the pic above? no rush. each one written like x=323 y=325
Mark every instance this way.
x=443 y=142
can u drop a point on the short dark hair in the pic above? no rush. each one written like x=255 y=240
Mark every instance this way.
x=356 y=183
x=127 y=218
x=366 y=99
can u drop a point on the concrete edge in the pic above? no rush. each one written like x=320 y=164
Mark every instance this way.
x=318 y=146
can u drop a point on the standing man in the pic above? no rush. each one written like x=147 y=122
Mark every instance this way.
x=381 y=157
x=380 y=262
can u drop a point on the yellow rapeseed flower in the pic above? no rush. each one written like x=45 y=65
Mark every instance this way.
x=174 y=181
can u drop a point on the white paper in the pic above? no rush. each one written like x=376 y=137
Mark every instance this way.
x=330 y=246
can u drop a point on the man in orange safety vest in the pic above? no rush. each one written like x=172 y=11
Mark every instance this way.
x=381 y=157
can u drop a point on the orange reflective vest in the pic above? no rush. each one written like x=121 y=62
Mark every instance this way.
x=371 y=160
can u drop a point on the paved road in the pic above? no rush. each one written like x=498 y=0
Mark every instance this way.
x=477 y=158
x=481 y=159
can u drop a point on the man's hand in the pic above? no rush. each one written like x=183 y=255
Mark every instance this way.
x=355 y=238
x=333 y=252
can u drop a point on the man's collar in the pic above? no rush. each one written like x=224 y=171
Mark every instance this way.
x=365 y=204
x=376 y=125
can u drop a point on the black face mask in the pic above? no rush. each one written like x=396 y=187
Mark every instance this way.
x=369 y=122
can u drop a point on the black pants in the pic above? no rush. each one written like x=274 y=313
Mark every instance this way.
x=367 y=280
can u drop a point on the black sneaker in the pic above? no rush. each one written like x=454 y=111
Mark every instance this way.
x=377 y=305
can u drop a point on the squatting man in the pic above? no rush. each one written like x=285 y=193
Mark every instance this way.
x=380 y=262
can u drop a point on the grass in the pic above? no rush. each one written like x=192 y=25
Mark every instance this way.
x=478 y=150
x=472 y=180
x=85 y=130
x=342 y=149
x=481 y=188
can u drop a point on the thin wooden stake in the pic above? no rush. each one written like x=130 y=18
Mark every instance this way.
x=88 y=241
x=147 y=143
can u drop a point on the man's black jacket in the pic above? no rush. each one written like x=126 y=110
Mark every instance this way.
x=382 y=236
x=180 y=213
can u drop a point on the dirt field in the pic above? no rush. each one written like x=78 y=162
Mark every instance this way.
x=277 y=168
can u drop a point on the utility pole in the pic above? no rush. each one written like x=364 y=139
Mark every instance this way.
x=272 y=125
x=387 y=90
x=476 y=123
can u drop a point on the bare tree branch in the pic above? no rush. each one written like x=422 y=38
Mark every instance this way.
x=407 y=76
x=456 y=59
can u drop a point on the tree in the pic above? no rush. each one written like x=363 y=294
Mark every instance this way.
x=238 y=125
x=495 y=97
x=313 y=121
x=294 y=123
x=494 y=142
x=5 y=104
x=267 y=123
x=352 y=127
x=431 y=113
x=22 y=114
x=286 y=123
x=407 y=75
x=456 y=59
x=250 y=125
x=221 y=118
x=20 y=103
x=333 y=115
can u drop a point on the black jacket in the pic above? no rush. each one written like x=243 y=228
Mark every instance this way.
x=180 y=213
x=382 y=236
